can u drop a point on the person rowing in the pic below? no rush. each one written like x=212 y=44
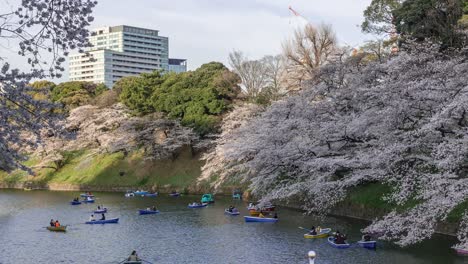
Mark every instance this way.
x=313 y=231
x=92 y=218
x=133 y=256
x=154 y=208
x=52 y=223
x=103 y=217
x=57 y=223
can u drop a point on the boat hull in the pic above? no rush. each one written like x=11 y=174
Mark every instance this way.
x=102 y=211
x=86 y=195
x=260 y=219
x=75 y=203
x=140 y=193
x=174 y=194
x=368 y=244
x=461 y=251
x=197 y=206
x=331 y=241
x=147 y=212
x=226 y=211
x=107 y=221
x=88 y=201
x=150 y=195
x=322 y=234
x=57 y=229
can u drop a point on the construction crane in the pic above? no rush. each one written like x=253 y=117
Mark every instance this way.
x=295 y=13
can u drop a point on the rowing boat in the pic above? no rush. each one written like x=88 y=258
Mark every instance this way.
x=101 y=211
x=368 y=244
x=197 y=206
x=461 y=251
x=260 y=219
x=57 y=229
x=322 y=234
x=331 y=241
x=233 y=212
x=107 y=221
x=146 y=212
x=140 y=192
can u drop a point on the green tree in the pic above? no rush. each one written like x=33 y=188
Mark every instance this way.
x=41 y=90
x=136 y=91
x=73 y=94
x=196 y=98
x=379 y=18
x=430 y=19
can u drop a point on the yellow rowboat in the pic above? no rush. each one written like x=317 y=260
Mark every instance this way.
x=57 y=229
x=322 y=234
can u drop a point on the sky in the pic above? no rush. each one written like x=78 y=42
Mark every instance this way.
x=202 y=31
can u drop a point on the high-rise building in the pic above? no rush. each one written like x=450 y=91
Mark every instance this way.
x=121 y=51
x=177 y=65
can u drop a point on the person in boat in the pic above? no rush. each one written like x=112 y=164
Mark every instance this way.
x=337 y=234
x=57 y=223
x=318 y=229
x=92 y=218
x=366 y=238
x=313 y=231
x=340 y=239
x=154 y=208
x=52 y=222
x=231 y=208
x=261 y=215
x=133 y=257
x=103 y=217
x=99 y=207
x=76 y=199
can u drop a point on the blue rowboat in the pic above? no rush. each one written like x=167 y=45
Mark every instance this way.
x=197 y=206
x=368 y=244
x=150 y=195
x=102 y=211
x=75 y=202
x=331 y=241
x=260 y=219
x=146 y=212
x=140 y=192
x=234 y=212
x=86 y=195
x=107 y=221
x=174 y=194
x=88 y=201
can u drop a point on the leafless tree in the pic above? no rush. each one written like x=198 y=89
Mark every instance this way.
x=252 y=73
x=310 y=48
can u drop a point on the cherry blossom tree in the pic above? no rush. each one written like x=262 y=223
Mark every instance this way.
x=43 y=31
x=402 y=123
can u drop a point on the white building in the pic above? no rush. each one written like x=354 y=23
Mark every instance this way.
x=118 y=52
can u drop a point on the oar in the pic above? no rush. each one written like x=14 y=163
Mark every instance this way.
x=304 y=228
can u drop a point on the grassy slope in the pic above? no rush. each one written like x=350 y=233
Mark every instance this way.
x=91 y=169
x=370 y=197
